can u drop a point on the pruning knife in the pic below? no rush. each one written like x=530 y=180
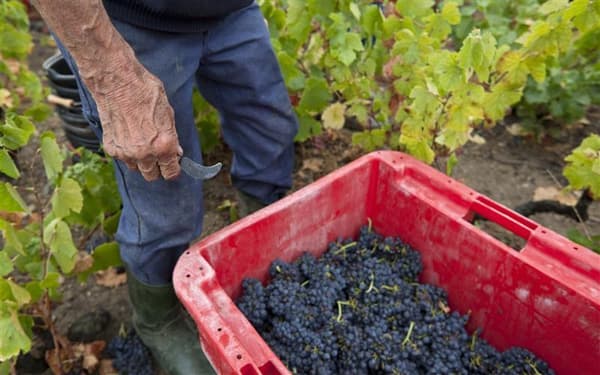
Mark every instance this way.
x=199 y=171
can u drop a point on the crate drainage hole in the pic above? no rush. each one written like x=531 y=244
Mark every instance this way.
x=500 y=233
x=239 y=356
x=219 y=329
x=188 y=275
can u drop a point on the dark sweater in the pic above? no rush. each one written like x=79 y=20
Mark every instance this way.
x=173 y=15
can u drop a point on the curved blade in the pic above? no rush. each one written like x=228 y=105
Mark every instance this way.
x=199 y=171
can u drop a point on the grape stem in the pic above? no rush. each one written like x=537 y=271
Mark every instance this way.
x=345 y=247
x=409 y=333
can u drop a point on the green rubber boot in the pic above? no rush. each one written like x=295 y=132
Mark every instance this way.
x=160 y=321
x=247 y=204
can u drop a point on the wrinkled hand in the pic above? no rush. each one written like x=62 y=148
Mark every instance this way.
x=139 y=127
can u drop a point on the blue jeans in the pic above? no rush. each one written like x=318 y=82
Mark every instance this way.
x=235 y=69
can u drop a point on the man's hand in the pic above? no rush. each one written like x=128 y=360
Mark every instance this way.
x=137 y=119
x=139 y=127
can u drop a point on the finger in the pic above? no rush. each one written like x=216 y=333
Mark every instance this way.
x=149 y=169
x=170 y=169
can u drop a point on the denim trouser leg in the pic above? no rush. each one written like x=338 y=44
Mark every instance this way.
x=237 y=72
x=240 y=76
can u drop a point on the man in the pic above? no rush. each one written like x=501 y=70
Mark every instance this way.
x=137 y=62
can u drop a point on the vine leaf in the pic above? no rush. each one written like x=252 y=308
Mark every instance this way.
x=315 y=96
x=57 y=236
x=14 y=337
x=51 y=156
x=7 y=165
x=583 y=166
x=10 y=199
x=6 y=265
x=334 y=116
x=67 y=197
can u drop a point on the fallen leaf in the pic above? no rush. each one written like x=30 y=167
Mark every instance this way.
x=13 y=65
x=477 y=139
x=83 y=263
x=334 y=116
x=5 y=99
x=110 y=278
x=554 y=194
x=106 y=368
x=91 y=355
x=312 y=164
x=515 y=129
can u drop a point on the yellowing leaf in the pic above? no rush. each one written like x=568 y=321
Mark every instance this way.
x=334 y=116
x=451 y=13
x=21 y=295
x=552 y=6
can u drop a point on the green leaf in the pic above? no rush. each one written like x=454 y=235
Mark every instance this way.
x=552 y=6
x=478 y=52
x=451 y=163
x=12 y=243
x=450 y=13
x=355 y=10
x=105 y=256
x=20 y=295
x=315 y=96
x=414 y=9
x=14 y=337
x=294 y=78
x=14 y=43
x=499 y=100
x=67 y=197
x=35 y=290
x=57 y=236
x=15 y=131
x=7 y=165
x=592 y=243
x=576 y=8
x=10 y=199
x=6 y=264
x=372 y=20
x=51 y=155
x=39 y=112
x=370 y=139
x=334 y=116
x=309 y=127
x=418 y=148
x=582 y=168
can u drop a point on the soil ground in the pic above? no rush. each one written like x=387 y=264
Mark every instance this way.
x=508 y=169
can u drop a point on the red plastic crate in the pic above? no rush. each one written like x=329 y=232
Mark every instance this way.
x=545 y=297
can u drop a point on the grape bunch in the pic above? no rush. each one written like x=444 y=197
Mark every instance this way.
x=130 y=355
x=359 y=309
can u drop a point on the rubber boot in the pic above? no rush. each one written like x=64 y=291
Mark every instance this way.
x=160 y=321
x=247 y=204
